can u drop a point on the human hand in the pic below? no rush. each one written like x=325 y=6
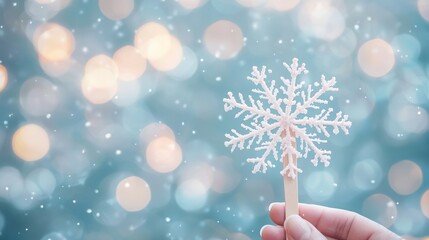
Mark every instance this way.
x=317 y=222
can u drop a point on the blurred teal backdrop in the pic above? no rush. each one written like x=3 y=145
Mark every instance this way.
x=112 y=120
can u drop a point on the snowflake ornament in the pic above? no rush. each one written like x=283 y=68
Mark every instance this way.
x=284 y=124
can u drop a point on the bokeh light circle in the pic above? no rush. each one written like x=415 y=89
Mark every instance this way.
x=3 y=78
x=405 y=177
x=11 y=183
x=223 y=39
x=99 y=84
x=41 y=182
x=423 y=7
x=410 y=220
x=56 y=68
x=281 y=5
x=30 y=142
x=155 y=130
x=321 y=20
x=54 y=236
x=43 y=10
x=407 y=47
x=424 y=203
x=39 y=96
x=191 y=4
x=133 y=194
x=153 y=40
x=53 y=42
x=366 y=174
x=171 y=58
x=131 y=64
x=116 y=10
x=191 y=195
x=376 y=57
x=102 y=61
x=163 y=155
x=251 y=3
x=381 y=209
x=187 y=67
x=320 y=185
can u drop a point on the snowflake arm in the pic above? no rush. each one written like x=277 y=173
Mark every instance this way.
x=267 y=93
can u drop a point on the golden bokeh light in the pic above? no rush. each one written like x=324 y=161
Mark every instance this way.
x=172 y=57
x=116 y=10
x=153 y=40
x=376 y=57
x=99 y=84
x=131 y=64
x=223 y=39
x=155 y=130
x=423 y=7
x=133 y=194
x=30 y=142
x=381 y=209
x=163 y=155
x=55 y=68
x=191 y=4
x=281 y=5
x=53 y=42
x=102 y=62
x=424 y=203
x=3 y=78
x=405 y=177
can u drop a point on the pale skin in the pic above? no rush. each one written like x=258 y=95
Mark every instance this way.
x=317 y=223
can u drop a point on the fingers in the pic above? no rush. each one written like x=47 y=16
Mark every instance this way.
x=334 y=223
x=299 y=229
x=277 y=213
x=271 y=232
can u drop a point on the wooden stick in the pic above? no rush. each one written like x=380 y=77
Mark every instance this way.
x=291 y=192
x=291 y=188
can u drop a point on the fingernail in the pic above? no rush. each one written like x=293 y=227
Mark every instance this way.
x=297 y=228
x=262 y=229
x=271 y=205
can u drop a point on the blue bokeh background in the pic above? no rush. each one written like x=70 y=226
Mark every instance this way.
x=78 y=176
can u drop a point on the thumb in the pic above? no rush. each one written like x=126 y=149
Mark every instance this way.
x=298 y=228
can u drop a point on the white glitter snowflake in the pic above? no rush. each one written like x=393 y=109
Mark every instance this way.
x=285 y=122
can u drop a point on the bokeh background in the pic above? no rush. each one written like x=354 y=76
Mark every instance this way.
x=112 y=120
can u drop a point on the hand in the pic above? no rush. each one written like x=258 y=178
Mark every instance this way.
x=317 y=222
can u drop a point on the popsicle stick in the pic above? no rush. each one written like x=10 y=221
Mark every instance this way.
x=290 y=184
x=291 y=191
